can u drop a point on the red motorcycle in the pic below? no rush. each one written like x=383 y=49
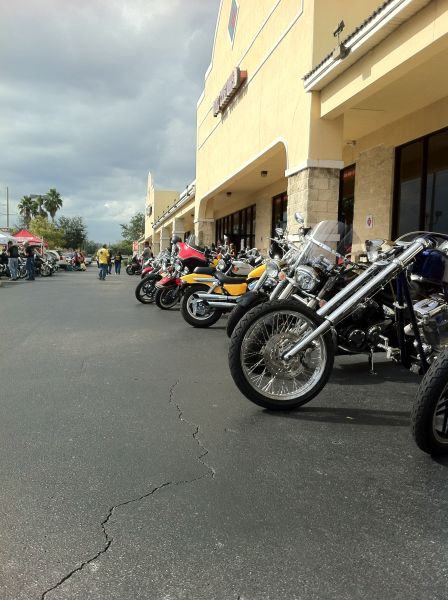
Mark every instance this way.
x=189 y=258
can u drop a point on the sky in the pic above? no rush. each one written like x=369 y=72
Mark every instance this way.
x=94 y=94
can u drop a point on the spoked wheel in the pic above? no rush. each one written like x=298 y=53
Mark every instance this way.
x=145 y=290
x=195 y=311
x=166 y=298
x=255 y=355
x=45 y=271
x=429 y=417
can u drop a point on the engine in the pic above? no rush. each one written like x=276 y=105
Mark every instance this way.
x=432 y=319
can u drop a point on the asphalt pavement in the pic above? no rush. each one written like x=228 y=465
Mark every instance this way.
x=132 y=468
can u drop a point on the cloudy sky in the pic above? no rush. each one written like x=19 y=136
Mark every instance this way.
x=96 y=93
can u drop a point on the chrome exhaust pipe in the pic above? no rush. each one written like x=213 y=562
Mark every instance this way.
x=228 y=305
x=212 y=297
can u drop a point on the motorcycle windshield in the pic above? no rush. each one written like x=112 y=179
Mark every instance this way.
x=328 y=239
x=407 y=238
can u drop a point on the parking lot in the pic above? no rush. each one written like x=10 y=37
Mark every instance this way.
x=132 y=468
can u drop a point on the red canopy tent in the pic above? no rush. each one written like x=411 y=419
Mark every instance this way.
x=26 y=236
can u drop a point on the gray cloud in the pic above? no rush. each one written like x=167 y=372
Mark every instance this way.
x=94 y=94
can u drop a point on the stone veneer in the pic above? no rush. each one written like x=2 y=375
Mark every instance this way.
x=373 y=194
x=203 y=230
x=314 y=193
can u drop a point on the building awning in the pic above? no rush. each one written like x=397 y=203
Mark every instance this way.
x=381 y=23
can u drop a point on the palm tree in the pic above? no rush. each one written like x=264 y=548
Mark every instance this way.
x=27 y=208
x=52 y=202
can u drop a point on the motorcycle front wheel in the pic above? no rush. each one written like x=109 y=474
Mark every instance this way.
x=129 y=270
x=255 y=355
x=145 y=290
x=166 y=298
x=429 y=416
x=197 y=313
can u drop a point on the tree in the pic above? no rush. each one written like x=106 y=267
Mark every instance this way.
x=134 y=229
x=39 y=204
x=90 y=247
x=27 y=209
x=52 y=202
x=41 y=227
x=75 y=231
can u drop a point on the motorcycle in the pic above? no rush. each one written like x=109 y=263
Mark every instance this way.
x=284 y=352
x=135 y=266
x=207 y=295
x=145 y=290
x=186 y=258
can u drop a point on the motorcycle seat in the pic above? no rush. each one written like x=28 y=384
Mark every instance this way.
x=226 y=279
x=204 y=270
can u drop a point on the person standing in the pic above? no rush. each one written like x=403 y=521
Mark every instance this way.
x=146 y=252
x=103 y=257
x=13 y=260
x=117 y=261
x=29 y=253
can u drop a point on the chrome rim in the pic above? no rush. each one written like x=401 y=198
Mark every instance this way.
x=262 y=347
x=440 y=418
x=148 y=289
x=197 y=308
x=169 y=297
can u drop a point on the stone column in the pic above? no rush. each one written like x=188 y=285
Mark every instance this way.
x=155 y=244
x=178 y=227
x=165 y=237
x=374 y=183
x=314 y=193
x=203 y=229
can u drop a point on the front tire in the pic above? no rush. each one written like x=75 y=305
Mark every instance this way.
x=429 y=416
x=166 y=297
x=129 y=270
x=145 y=290
x=257 y=344
x=193 y=317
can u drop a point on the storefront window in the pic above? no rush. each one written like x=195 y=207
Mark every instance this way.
x=279 y=212
x=421 y=191
x=346 y=206
x=239 y=227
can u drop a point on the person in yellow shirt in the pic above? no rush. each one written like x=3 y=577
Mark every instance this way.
x=102 y=257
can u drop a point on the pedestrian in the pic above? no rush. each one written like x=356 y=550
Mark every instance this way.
x=103 y=257
x=109 y=264
x=13 y=260
x=146 y=252
x=117 y=261
x=29 y=253
x=232 y=250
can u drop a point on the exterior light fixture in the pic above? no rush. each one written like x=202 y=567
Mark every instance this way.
x=228 y=193
x=263 y=173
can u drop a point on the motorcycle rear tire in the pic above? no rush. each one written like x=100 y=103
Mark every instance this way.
x=255 y=395
x=145 y=290
x=163 y=295
x=189 y=317
x=430 y=399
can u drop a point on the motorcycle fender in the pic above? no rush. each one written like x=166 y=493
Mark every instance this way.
x=166 y=282
x=236 y=289
x=248 y=299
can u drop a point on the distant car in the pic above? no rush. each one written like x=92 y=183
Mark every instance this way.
x=88 y=260
x=60 y=260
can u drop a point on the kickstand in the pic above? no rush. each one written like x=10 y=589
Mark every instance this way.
x=371 y=363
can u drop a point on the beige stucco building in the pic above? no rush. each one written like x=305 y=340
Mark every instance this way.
x=292 y=117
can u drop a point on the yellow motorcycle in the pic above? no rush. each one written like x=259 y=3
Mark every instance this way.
x=207 y=295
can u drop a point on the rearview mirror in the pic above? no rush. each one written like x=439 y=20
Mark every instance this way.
x=298 y=217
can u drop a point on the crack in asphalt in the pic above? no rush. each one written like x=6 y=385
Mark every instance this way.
x=195 y=432
x=108 y=539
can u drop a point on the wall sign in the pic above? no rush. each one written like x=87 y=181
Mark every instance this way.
x=229 y=91
x=369 y=221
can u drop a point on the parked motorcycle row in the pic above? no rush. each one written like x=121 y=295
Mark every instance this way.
x=291 y=313
x=44 y=265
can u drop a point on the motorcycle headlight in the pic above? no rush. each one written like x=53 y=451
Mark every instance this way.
x=272 y=268
x=221 y=264
x=306 y=278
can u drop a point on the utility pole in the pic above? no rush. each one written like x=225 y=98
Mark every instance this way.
x=7 y=207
